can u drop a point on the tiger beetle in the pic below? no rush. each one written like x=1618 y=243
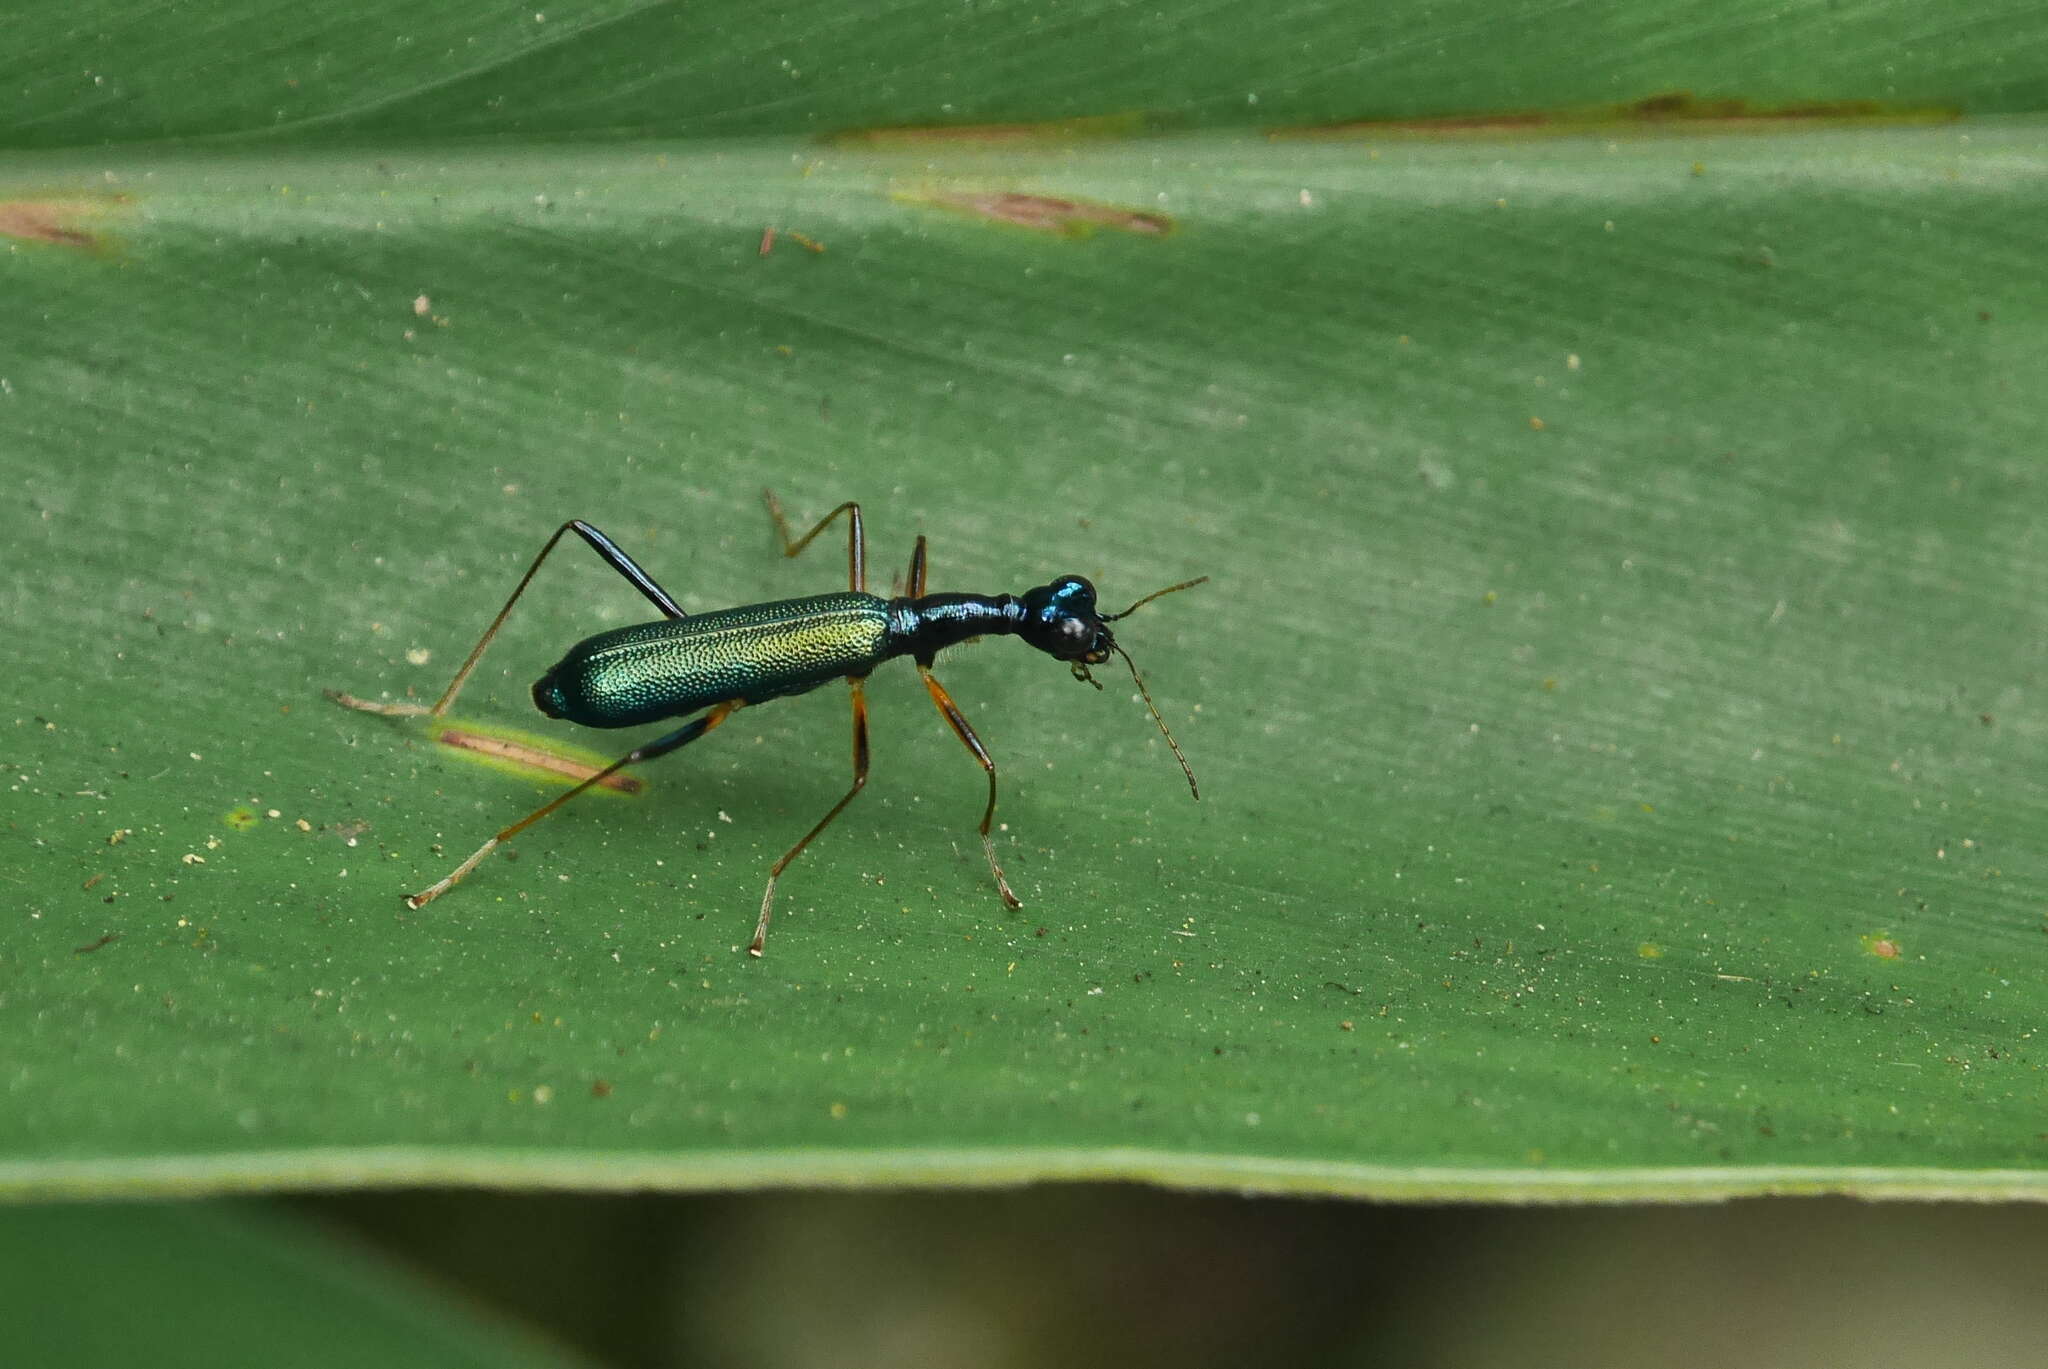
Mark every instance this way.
x=721 y=662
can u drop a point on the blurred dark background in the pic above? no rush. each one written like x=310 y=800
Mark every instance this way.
x=1082 y=1275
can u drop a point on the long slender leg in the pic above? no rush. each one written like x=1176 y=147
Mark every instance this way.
x=952 y=714
x=916 y=583
x=660 y=746
x=858 y=684
x=856 y=539
x=617 y=559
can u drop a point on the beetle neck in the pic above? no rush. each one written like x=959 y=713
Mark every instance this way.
x=923 y=627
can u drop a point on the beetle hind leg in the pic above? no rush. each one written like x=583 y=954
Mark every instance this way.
x=661 y=746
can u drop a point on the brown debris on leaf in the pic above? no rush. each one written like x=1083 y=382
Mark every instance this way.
x=1045 y=213
x=1050 y=131
x=1674 y=109
x=54 y=220
x=518 y=753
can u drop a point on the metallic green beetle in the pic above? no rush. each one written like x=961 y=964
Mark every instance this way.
x=713 y=664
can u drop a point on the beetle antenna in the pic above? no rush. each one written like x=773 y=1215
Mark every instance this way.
x=1146 y=695
x=1185 y=584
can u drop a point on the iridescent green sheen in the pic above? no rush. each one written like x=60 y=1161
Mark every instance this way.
x=761 y=651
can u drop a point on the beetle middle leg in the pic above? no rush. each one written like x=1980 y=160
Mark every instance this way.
x=856 y=539
x=858 y=685
x=915 y=583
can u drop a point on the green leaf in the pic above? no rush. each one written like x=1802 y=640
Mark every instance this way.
x=395 y=73
x=1613 y=698
x=218 y=1285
